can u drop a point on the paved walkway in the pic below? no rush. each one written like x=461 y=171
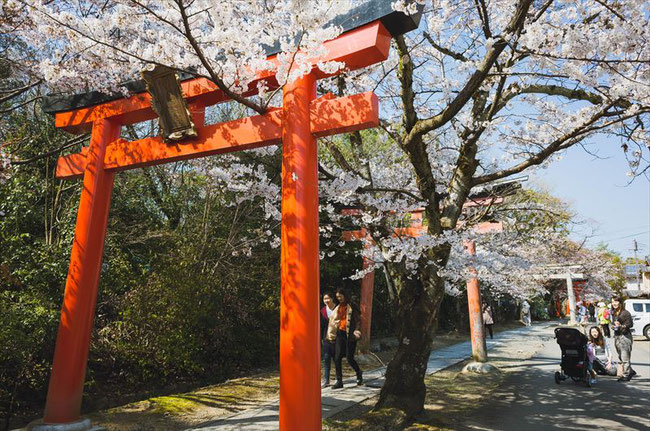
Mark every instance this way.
x=530 y=400
x=335 y=401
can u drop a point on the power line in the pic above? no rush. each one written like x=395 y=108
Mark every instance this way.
x=627 y=236
x=621 y=230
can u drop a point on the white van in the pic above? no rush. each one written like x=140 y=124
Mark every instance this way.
x=640 y=311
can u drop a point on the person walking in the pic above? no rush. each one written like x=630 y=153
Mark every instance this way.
x=591 y=308
x=582 y=314
x=623 y=337
x=328 y=346
x=525 y=313
x=488 y=319
x=344 y=330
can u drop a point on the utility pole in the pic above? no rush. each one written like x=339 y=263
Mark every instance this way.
x=636 y=267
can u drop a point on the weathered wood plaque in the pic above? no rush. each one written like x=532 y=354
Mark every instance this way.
x=168 y=102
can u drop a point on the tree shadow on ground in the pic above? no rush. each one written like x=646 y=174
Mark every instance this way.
x=529 y=399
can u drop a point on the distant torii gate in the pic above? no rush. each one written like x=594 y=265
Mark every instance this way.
x=568 y=273
x=302 y=119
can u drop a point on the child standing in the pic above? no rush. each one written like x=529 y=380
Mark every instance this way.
x=591 y=357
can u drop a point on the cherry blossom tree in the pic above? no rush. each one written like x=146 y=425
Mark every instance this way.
x=482 y=92
x=101 y=44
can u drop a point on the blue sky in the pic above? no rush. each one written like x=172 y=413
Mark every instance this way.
x=598 y=191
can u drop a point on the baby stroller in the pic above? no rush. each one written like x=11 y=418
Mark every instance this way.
x=574 y=356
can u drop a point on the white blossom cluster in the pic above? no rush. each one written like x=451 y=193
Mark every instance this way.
x=100 y=44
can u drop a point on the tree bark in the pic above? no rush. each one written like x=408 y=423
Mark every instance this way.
x=419 y=301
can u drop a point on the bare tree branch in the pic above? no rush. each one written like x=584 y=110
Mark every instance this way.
x=69 y=143
x=611 y=9
x=204 y=61
x=476 y=80
x=20 y=105
x=405 y=71
x=444 y=50
x=483 y=14
x=18 y=91
x=391 y=190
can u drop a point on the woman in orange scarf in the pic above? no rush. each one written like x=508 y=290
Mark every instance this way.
x=344 y=330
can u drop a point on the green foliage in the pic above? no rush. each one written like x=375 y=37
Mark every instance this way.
x=34 y=256
x=618 y=274
x=174 y=302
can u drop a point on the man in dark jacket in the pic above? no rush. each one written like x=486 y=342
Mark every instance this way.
x=328 y=346
x=592 y=311
x=623 y=337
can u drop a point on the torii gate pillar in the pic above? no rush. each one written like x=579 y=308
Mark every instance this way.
x=572 y=299
x=299 y=299
x=78 y=309
x=476 y=327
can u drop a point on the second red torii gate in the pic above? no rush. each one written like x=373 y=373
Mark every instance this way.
x=296 y=125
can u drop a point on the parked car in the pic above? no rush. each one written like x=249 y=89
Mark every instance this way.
x=640 y=311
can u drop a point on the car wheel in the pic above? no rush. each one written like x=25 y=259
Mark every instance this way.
x=646 y=332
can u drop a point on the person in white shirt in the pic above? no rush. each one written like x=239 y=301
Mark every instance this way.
x=525 y=313
x=488 y=319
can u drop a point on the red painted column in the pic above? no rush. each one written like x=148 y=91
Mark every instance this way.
x=367 y=292
x=477 y=330
x=300 y=407
x=80 y=297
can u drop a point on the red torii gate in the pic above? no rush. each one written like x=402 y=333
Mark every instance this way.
x=296 y=125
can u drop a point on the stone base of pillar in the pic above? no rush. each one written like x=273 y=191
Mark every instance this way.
x=480 y=368
x=80 y=425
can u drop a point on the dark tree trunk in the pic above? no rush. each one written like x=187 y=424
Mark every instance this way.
x=419 y=300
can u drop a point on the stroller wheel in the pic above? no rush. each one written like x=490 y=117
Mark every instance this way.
x=558 y=377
